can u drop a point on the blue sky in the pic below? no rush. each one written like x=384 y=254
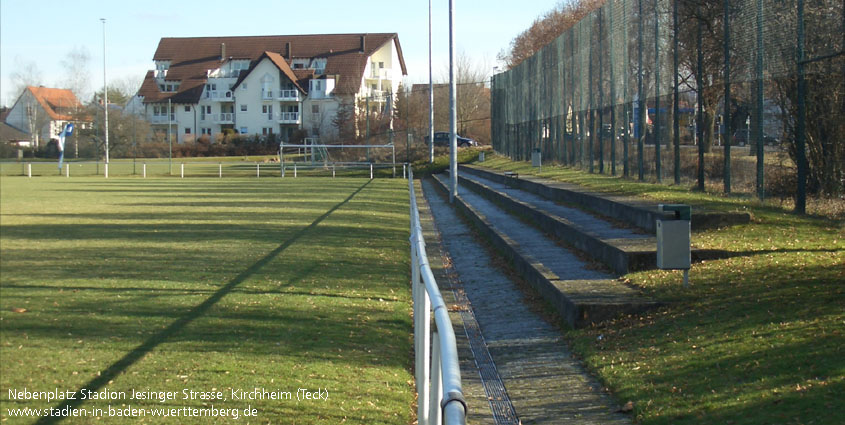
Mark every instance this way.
x=43 y=31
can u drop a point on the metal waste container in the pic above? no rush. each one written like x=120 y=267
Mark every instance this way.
x=673 y=237
x=536 y=158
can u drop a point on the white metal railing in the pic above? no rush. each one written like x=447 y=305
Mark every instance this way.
x=289 y=117
x=162 y=119
x=289 y=94
x=219 y=95
x=224 y=117
x=439 y=393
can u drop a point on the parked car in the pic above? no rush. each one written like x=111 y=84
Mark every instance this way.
x=441 y=138
x=740 y=138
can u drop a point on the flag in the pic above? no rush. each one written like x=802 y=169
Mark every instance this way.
x=68 y=130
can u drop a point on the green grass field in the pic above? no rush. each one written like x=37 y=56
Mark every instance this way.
x=208 y=285
x=759 y=338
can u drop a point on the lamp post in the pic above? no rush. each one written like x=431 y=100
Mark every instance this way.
x=453 y=117
x=105 y=99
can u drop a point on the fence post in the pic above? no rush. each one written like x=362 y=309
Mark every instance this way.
x=332 y=171
x=257 y=170
x=182 y=170
x=29 y=169
x=726 y=112
x=67 y=170
x=220 y=170
x=144 y=170
x=435 y=414
x=106 y=169
x=371 y=171
x=676 y=111
x=294 y=170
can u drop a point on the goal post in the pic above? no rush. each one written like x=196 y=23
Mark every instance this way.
x=327 y=158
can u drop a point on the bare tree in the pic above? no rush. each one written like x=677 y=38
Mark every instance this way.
x=25 y=74
x=77 y=73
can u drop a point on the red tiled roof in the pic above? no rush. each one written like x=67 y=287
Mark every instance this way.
x=191 y=58
x=58 y=103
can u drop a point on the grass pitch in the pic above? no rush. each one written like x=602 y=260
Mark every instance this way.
x=166 y=286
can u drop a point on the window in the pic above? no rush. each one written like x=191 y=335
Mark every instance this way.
x=187 y=108
x=264 y=109
x=187 y=130
x=381 y=65
x=243 y=108
x=208 y=109
x=315 y=108
x=318 y=85
x=206 y=131
x=244 y=130
x=267 y=131
x=243 y=86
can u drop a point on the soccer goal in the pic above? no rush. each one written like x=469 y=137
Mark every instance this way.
x=312 y=158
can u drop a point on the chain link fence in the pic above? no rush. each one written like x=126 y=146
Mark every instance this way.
x=732 y=95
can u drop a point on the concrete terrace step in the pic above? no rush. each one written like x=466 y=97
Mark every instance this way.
x=627 y=209
x=622 y=250
x=581 y=296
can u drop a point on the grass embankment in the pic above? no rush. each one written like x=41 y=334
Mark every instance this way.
x=759 y=338
x=208 y=285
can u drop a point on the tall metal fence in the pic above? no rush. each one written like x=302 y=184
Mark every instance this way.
x=740 y=95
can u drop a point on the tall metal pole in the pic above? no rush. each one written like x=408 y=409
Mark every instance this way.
x=676 y=126
x=641 y=104
x=801 y=195
x=430 y=94
x=656 y=125
x=699 y=86
x=758 y=113
x=453 y=113
x=726 y=113
x=169 y=141
x=105 y=97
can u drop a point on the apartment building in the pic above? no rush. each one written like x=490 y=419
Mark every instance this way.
x=263 y=85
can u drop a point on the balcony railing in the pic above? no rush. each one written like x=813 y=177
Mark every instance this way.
x=289 y=118
x=222 y=96
x=224 y=118
x=381 y=74
x=162 y=119
x=267 y=95
x=289 y=95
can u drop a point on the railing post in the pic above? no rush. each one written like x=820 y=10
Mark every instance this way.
x=220 y=170
x=294 y=170
x=144 y=170
x=182 y=170
x=371 y=171
x=435 y=414
x=257 y=170
x=29 y=169
x=67 y=170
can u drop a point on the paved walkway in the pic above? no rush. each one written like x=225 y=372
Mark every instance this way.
x=544 y=383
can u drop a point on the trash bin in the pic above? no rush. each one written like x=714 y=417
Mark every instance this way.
x=536 y=158
x=673 y=237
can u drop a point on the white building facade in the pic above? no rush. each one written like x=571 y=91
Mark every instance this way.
x=284 y=86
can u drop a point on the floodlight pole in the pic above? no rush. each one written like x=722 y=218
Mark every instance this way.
x=105 y=98
x=430 y=94
x=453 y=117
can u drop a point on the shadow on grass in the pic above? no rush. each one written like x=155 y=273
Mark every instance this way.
x=151 y=343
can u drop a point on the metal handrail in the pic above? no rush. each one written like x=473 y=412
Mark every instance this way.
x=440 y=395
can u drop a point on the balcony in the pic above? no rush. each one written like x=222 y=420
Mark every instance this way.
x=162 y=119
x=381 y=74
x=289 y=118
x=219 y=96
x=289 y=96
x=224 y=118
